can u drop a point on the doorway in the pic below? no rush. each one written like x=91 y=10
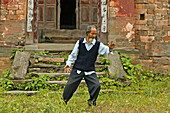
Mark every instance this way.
x=68 y=14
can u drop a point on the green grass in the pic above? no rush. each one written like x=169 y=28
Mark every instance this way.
x=145 y=97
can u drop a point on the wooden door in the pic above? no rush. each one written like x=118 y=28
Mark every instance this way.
x=88 y=13
x=47 y=14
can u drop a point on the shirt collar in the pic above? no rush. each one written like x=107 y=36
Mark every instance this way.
x=93 y=42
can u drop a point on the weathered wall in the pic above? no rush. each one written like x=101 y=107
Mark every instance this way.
x=4 y=64
x=148 y=31
x=153 y=33
x=12 y=22
x=12 y=29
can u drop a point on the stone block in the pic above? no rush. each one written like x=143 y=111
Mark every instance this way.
x=141 y=27
x=150 y=17
x=140 y=11
x=144 y=38
x=161 y=22
x=158 y=17
x=140 y=22
x=150 y=33
x=51 y=59
x=159 y=6
x=166 y=39
x=20 y=65
x=139 y=6
x=167 y=28
x=141 y=1
x=21 y=17
x=162 y=12
x=150 y=11
x=19 y=12
x=2 y=6
x=12 y=7
x=3 y=17
x=4 y=12
x=158 y=38
x=150 y=22
x=149 y=6
x=151 y=1
x=115 y=69
x=12 y=12
x=21 y=7
x=12 y=17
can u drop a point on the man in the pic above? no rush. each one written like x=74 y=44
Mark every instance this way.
x=85 y=54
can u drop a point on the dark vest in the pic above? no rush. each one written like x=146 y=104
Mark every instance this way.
x=86 y=59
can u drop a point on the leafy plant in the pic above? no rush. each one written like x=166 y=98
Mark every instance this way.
x=13 y=54
x=6 y=84
x=5 y=74
x=44 y=52
x=39 y=83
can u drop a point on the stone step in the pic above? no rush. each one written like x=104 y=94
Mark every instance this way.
x=56 y=46
x=34 y=92
x=43 y=59
x=55 y=66
x=55 y=58
x=55 y=69
x=64 y=32
x=57 y=41
x=62 y=74
x=62 y=37
x=50 y=82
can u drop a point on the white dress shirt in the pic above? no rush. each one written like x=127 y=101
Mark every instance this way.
x=103 y=49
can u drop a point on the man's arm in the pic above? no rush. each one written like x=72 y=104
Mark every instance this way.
x=105 y=50
x=72 y=57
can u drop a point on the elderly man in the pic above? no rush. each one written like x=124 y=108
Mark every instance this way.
x=85 y=54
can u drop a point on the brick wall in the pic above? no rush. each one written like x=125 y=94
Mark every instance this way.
x=12 y=29
x=148 y=31
x=152 y=33
x=4 y=64
x=12 y=22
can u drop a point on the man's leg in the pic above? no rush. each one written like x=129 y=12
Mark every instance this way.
x=72 y=84
x=93 y=87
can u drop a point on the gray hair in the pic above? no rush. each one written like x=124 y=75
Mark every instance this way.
x=89 y=28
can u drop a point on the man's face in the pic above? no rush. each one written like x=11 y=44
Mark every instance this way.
x=93 y=33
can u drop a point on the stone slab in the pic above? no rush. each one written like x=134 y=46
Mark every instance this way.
x=43 y=59
x=20 y=65
x=115 y=69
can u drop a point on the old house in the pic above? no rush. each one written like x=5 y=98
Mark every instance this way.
x=139 y=28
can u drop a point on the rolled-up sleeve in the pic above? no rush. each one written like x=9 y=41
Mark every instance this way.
x=104 y=50
x=73 y=56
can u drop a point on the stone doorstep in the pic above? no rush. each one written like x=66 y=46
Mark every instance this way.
x=64 y=74
x=34 y=92
x=55 y=66
x=51 y=82
x=42 y=59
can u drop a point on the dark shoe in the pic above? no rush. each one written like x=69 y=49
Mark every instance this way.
x=94 y=103
x=90 y=103
x=65 y=102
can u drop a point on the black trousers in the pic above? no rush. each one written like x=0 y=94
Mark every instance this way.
x=74 y=81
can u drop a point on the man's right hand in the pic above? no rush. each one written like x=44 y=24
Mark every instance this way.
x=67 y=69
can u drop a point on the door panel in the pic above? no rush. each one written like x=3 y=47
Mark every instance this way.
x=94 y=15
x=85 y=14
x=84 y=1
x=88 y=15
x=47 y=14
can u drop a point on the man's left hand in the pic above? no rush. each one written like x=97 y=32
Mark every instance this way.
x=111 y=45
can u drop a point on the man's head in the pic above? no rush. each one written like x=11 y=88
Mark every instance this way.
x=91 y=32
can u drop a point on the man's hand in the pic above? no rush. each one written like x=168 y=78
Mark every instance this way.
x=67 y=69
x=111 y=45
